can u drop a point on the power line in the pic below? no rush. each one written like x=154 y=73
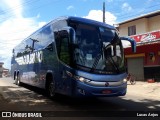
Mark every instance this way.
x=125 y=16
x=3 y=43
x=146 y=9
x=13 y=33
x=133 y=5
x=18 y=6
x=9 y=11
x=36 y=8
x=122 y=16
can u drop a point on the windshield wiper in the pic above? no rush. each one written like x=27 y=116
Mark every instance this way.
x=113 y=63
x=95 y=62
x=109 y=57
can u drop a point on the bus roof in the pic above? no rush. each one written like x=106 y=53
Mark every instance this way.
x=79 y=19
x=84 y=20
x=89 y=21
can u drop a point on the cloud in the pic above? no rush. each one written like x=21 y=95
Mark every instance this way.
x=70 y=7
x=98 y=16
x=15 y=7
x=126 y=7
x=14 y=28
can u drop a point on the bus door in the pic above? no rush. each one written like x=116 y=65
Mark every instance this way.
x=64 y=50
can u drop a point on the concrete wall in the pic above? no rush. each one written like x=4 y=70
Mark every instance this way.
x=154 y=23
x=143 y=25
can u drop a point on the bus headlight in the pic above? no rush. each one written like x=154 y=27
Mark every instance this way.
x=124 y=80
x=82 y=79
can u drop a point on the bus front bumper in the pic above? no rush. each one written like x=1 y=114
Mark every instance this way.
x=90 y=90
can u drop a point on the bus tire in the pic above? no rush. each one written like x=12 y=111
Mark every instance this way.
x=50 y=87
x=18 y=82
x=14 y=75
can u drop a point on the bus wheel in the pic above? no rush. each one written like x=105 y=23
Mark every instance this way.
x=18 y=81
x=51 y=89
x=14 y=75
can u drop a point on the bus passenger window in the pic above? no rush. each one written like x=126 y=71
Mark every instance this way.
x=49 y=47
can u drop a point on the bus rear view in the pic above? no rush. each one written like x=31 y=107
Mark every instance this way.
x=85 y=58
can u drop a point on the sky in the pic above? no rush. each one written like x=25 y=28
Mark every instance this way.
x=20 y=18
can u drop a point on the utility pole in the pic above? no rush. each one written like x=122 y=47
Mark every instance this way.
x=104 y=12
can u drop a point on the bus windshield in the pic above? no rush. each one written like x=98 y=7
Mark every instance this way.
x=98 y=49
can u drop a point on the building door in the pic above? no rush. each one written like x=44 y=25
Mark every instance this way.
x=136 y=67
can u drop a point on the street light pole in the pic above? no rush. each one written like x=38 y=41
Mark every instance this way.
x=103 y=12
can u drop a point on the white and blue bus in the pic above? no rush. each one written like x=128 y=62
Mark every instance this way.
x=73 y=56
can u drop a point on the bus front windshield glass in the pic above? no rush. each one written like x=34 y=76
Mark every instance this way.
x=98 y=50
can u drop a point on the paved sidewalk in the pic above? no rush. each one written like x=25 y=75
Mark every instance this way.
x=145 y=89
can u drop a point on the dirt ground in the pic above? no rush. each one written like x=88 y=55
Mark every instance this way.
x=145 y=89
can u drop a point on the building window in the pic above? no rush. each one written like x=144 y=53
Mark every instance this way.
x=132 y=30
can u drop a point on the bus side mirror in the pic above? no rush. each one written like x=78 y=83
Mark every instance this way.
x=132 y=41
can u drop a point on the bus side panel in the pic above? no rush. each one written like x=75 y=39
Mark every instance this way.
x=19 y=68
x=49 y=65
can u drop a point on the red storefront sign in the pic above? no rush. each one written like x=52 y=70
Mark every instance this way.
x=147 y=37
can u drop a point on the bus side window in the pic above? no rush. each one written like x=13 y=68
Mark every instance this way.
x=64 y=51
x=49 y=47
x=28 y=47
x=58 y=43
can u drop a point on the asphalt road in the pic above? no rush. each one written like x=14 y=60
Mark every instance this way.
x=27 y=98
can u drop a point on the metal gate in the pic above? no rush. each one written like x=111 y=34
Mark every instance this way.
x=136 y=67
